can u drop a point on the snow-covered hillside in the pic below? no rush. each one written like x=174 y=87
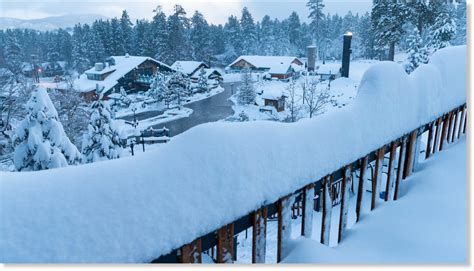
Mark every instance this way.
x=49 y=23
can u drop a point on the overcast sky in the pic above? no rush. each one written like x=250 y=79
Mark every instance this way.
x=215 y=11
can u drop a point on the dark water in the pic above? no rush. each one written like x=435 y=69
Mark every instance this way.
x=212 y=109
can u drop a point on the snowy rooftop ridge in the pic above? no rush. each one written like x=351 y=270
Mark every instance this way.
x=123 y=65
x=107 y=212
x=276 y=64
x=187 y=67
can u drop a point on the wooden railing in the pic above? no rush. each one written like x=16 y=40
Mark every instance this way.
x=445 y=129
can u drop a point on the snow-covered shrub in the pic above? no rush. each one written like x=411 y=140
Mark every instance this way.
x=243 y=117
x=40 y=141
x=102 y=142
x=158 y=89
x=417 y=53
x=202 y=84
x=246 y=94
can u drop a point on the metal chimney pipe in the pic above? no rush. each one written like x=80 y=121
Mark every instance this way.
x=346 y=54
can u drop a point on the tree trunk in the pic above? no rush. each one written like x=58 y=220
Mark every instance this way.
x=391 y=53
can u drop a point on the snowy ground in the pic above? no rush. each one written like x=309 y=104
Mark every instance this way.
x=426 y=225
x=342 y=92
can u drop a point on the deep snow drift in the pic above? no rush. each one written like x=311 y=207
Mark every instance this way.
x=138 y=208
x=427 y=225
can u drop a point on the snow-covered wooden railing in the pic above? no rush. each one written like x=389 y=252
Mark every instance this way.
x=443 y=130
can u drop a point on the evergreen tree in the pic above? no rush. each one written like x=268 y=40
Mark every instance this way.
x=461 y=22
x=95 y=48
x=200 y=37
x=444 y=28
x=40 y=141
x=233 y=38
x=115 y=40
x=417 y=53
x=178 y=87
x=102 y=142
x=202 y=84
x=158 y=88
x=13 y=54
x=388 y=18
x=178 y=47
x=79 y=50
x=249 y=33
x=246 y=94
x=316 y=15
x=127 y=32
x=158 y=32
x=267 y=39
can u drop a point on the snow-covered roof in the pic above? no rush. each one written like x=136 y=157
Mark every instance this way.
x=187 y=67
x=27 y=67
x=123 y=65
x=275 y=64
x=330 y=68
x=273 y=94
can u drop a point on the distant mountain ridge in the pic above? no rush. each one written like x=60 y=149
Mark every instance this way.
x=49 y=23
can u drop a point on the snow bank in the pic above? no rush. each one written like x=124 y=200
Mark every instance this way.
x=427 y=227
x=138 y=208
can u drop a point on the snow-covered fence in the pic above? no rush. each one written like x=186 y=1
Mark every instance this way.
x=210 y=183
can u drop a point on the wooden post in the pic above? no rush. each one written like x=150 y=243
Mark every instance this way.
x=437 y=135
x=461 y=121
x=443 y=132
x=430 y=141
x=465 y=123
x=361 y=187
x=456 y=116
x=191 y=253
x=391 y=170
x=307 y=219
x=327 y=209
x=450 y=127
x=411 y=148
x=346 y=177
x=225 y=244
x=284 y=227
x=416 y=151
x=377 y=175
x=259 y=235
x=401 y=164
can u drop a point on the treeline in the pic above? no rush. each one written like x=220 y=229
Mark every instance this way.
x=183 y=37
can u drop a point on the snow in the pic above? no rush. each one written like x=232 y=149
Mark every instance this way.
x=329 y=68
x=123 y=65
x=427 y=225
x=187 y=67
x=275 y=64
x=138 y=208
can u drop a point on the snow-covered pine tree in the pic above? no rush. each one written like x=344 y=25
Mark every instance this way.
x=417 y=53
x=158 y=33
x=13 y=53
x=246 y=94
x=126 y=30
x=444 y=28
x=202 y=83
x=40 y=141
x=248 y=33
x=199 y=37
x=316 y=15
x=178 y=87
x=102 y=142
x=79 y=50
x=177 y=42
x=158 y=89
